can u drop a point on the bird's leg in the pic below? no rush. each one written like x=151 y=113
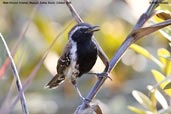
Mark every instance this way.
x=101 y=75
x=73 y=81
x=77 y=89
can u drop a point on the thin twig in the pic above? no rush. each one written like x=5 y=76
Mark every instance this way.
x=8 y=97
x=16 y=76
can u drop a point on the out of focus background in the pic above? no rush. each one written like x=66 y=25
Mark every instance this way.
x=29 y=30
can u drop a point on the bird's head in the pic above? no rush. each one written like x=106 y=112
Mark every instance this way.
x=82 y=32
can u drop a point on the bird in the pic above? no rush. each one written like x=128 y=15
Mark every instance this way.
x=78 y=58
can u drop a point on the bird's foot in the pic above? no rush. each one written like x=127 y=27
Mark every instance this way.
x=102 y=75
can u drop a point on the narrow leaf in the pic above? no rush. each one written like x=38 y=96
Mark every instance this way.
x=163 y=53
x=164 y=56
x=159 y=97
x=143 y=99
x=168 y=68
x=162 y=80
x=153 y=99
x=146 y=54
x=159 y=77
x=136 y=110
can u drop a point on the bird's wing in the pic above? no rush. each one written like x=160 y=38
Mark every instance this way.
x=63 y=63
x=64 y=60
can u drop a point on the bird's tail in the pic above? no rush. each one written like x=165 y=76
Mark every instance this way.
x=55 y=81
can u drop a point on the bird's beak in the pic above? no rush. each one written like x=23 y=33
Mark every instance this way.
x=93 y=29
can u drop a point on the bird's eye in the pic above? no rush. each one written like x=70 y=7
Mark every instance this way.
x=81 y=31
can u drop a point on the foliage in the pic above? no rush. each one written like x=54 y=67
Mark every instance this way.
x=156 y=95
x=160 y=93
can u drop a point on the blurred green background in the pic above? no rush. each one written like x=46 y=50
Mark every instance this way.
x=43 y=23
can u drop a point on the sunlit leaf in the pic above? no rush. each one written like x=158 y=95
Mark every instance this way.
x=164 y=56
x=168 y=68
x=143 y=99
x=160 y=78
x=163 y=53
x=145 y=53
x=158 y=96
x=136 y=110
x=153 y=98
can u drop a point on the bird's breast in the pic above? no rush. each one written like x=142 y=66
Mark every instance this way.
x=86 y=56
x=83 y=57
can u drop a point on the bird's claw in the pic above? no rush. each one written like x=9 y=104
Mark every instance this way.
x=104 y=74
x=101 y=75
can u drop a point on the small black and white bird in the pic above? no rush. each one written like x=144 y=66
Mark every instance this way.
x=79 y=56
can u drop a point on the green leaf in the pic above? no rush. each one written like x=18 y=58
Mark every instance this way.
x=165 y=58
x=168 y=68
x=143 y=99
x=163 y=54
x=168 y=86
x=162 y=82
x=152 y=97
x=159 y=77
x=136 y=110
x=146 y=54
x=158 y=96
